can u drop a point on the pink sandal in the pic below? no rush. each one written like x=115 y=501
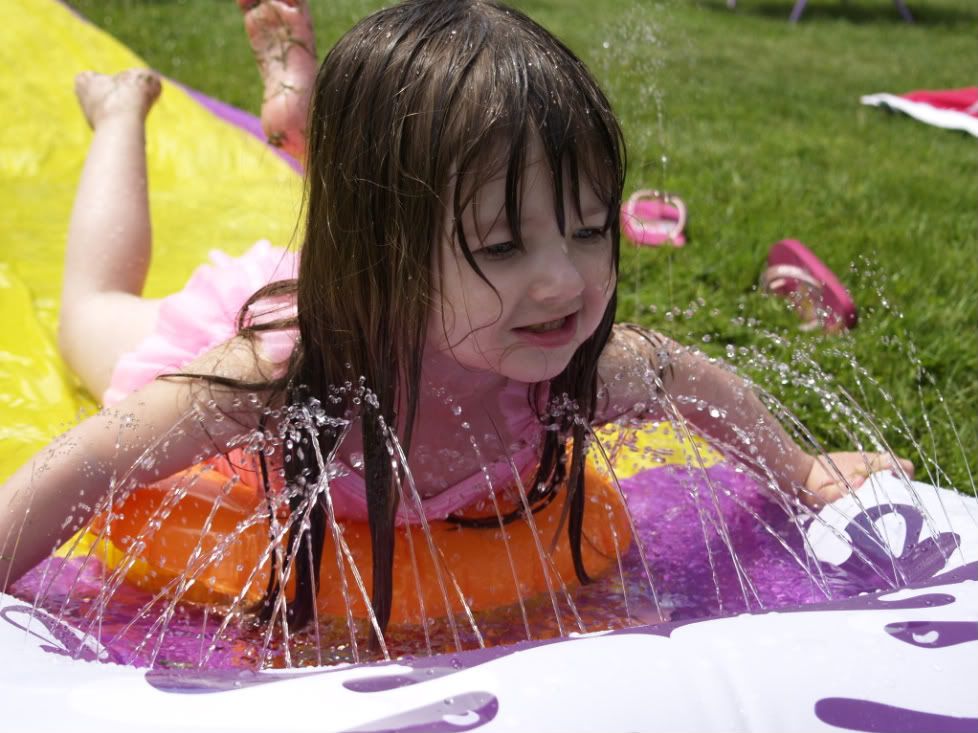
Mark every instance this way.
x=794 y=272
x=652 y=218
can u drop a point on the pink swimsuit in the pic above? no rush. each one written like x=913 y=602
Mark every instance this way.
x=203 y=314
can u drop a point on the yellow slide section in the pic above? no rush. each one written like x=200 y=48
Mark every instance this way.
x=211 y=186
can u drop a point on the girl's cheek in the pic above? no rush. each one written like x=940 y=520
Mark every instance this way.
x=600 y=275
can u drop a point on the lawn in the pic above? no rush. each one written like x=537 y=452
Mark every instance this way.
x=756 y=123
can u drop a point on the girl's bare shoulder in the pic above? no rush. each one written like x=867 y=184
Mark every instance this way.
x=633 y=372
x=233 y=379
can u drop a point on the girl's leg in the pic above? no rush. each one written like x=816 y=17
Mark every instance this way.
x=282 y=38
x=102 y=312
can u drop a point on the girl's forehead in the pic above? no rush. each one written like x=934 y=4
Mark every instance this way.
x=488 y=183
x=537 y=201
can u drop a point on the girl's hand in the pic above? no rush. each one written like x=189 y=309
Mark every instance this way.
x=836 y=474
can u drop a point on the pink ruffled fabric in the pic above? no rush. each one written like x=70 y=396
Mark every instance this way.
x=204 y=314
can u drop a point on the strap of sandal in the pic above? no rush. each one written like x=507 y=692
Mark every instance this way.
x=776 y=278
x=666 y=198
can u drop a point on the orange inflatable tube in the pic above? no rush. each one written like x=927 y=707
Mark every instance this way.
x=218 y=528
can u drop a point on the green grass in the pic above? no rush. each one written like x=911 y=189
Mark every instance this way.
x=765 y=139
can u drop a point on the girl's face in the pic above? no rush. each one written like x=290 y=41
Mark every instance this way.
x=549 y=296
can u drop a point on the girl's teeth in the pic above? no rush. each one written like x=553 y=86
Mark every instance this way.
x=549 y=326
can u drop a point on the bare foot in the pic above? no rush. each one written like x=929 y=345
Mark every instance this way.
x=282 y=38
x=128 y=93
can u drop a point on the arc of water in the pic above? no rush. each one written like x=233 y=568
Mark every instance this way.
x=203 y=635
x=276 y=557
x=928 y=462
x=534 y=533
x=743 y=580
x=339 y=544
x=398 y=451
x=184 y=585
x=107 y=503
x=873 y=431
x=969 y=507
x=277 y=535
x=878 y=536
x=704 y=520
x=465 y=605
x=821 y=582
x=960 y=445
x=152 y=524
x=872 y=534
x=321 y=493
x=924 y=458
x=504 y=533
x=414 y=567
x=315 y=606
x=168 y=591
x=880 y=542
x=562 y=586
x=868 y=426
x=867 y=420
x=621 y=569
x=282 y=566
x=178 y=586
x=794 y=509
x=119 y=573
x=12 y=552
x=628 y=515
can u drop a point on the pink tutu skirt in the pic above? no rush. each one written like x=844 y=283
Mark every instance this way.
x=204 y=314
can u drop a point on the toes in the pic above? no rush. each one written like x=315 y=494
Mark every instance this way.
x=83 y=79
x=146 y=78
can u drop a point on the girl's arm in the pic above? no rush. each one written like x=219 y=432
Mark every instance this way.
x=164 y=427
x=648 y=376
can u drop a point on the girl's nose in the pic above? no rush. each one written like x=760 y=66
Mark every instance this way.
x=556 y=275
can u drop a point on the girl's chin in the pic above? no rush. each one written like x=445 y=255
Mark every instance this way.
x=524 y=363
x=534 y=365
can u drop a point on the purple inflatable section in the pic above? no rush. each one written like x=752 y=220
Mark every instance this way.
x=238 y=118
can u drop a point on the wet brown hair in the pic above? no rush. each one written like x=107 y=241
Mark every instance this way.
x=411 y=109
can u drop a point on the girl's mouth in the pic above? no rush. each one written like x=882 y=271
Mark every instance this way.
x=550 y=333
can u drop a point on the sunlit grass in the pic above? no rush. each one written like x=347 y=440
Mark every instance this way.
x=765 y=139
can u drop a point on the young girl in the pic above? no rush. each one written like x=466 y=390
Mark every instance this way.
x=449 y=320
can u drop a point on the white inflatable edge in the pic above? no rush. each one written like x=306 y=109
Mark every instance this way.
x=809 y=669
x=948 y=119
